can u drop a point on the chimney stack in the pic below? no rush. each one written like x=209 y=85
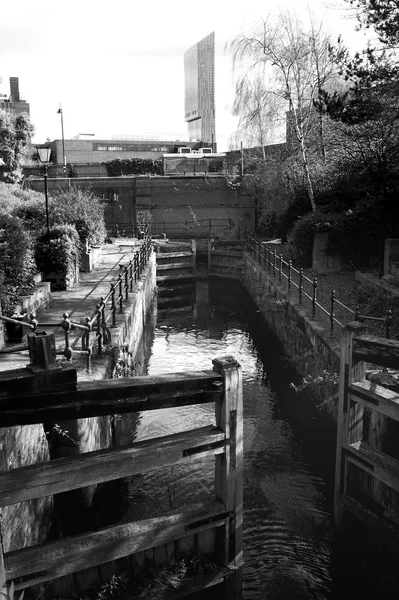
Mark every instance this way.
x=14 y=89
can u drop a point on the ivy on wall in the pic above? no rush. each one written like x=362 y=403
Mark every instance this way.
x=134 y=166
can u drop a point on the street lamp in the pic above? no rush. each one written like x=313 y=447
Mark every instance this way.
x=59 y=112
x=44 y=157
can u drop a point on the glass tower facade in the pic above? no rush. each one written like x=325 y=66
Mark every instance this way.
x=199 y=105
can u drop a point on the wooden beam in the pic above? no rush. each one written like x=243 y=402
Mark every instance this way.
x=376 y=463
x=163 y=255
x=182 y=265
x=376 y=397
x=227 y=253
x=65 y=474
x=377 y=350
x=112 y=396
x=38 y=564
x=381 y=524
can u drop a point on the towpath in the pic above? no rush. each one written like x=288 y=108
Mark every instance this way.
x=81 y=300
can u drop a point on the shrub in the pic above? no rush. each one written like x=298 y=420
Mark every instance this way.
x=17 y=266
x=58 y=252
x=82 y=209
x=300 y=239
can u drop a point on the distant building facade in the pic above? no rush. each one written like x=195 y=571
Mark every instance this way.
x=199 y=79
x=14 y=105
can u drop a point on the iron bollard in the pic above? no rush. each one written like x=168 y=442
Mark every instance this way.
x=314 y=297
x=66 y=326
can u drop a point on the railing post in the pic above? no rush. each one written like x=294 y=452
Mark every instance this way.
x=264 y=255
x=300 y=287
x=113 y=307
x=259 y=251
x=269 y=260
x=86 y=335
x=388 y=324
x=274 y=263
x=280 y=271
x=289 y=275
x=314 y=291
x=135 y=266
x=66 y=326
x=99 y=330
x=131 y=274
x=126 y=283
x=120 y=291
x=229 y=470
x=332 y=315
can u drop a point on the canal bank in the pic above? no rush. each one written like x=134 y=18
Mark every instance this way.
x=306 y=341
x=26 y=445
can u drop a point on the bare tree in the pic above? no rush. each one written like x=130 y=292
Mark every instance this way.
x=293 y=64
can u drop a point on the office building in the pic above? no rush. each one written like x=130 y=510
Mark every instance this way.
x=199 y=76
x=14 y=104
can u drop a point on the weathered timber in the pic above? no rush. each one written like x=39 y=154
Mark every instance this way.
x=350 y=370
x=375 y=396
x=376 y=463
x=42 y=563
x=376 y=350
x=226 y=253
x=161 y=256
x=112 y=396
x=382 y=524
x=174 y=277
x=229 y=470
x=64 y=474
x=20 y=381
x=169 y=266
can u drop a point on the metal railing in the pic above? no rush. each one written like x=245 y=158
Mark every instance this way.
x=96 y=328
x=306 y=289
x=183 y=228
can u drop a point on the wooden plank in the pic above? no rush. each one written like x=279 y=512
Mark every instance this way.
x=226 y=276
x=377 y=350
x=350 y=370
x=376 y=397
x=69 y=555
x=174 y=277
x=170 y=266
x=69 y=473
x=382 y=524
x=162 y=255
x=227 y=253
x=111 y=396
x=226 y=265
x=378 y=464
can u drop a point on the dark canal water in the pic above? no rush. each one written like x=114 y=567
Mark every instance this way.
x=288 y=447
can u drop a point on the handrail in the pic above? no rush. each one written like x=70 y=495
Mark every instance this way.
x=276 y=264
x=104 y=312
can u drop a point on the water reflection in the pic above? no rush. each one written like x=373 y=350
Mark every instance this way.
x=287 y=523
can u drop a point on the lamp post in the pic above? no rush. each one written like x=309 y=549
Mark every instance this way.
x=44 y=157
x=59 y=112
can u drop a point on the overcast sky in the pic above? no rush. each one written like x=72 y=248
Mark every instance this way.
x=117 y=66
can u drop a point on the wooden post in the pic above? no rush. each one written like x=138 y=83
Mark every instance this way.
x=2 y=568
x=349 y=372
x=229 y=471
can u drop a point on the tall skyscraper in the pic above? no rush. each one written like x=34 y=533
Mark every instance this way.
x=199 y=75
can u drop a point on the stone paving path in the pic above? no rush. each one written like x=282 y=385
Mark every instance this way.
x=81 y=300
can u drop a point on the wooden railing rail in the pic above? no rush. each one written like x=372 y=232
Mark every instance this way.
x=283 y=270
x=220 y=513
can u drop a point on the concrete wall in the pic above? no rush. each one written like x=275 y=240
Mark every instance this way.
x=305 y=341
x=172 y=201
